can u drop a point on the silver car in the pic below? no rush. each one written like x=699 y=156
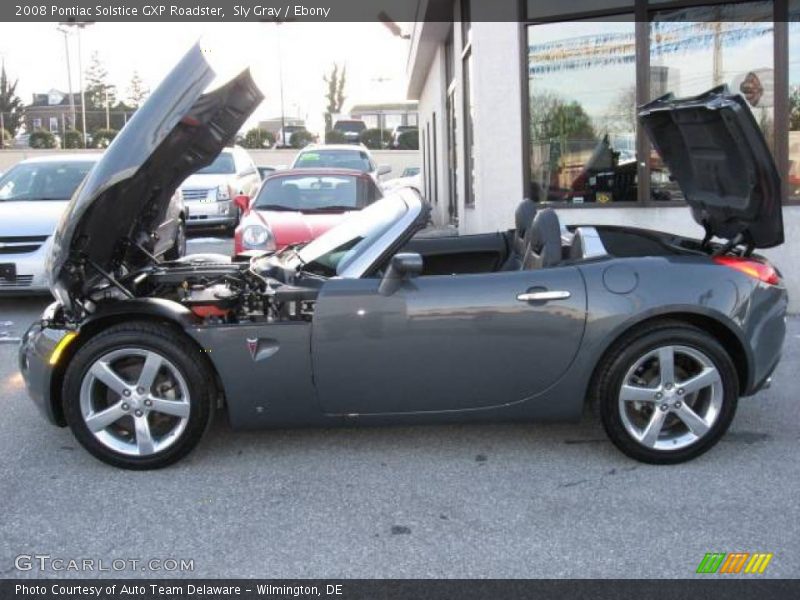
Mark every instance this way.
x=33 y=196
x=210 y=192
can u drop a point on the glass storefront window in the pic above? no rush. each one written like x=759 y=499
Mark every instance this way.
x=793 y=179
x=582 y=95
x=695 y=49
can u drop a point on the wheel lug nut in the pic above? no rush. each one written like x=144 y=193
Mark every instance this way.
x=664 y=407
x=659 y=395
x=678 y=404
x=148 y=403
x=138 y=413
x=680 y=391
x=125 y=406
x=126 y=393
x=140 y=390
x=668 y=386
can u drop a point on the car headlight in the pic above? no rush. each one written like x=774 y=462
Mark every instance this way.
x=258 y=236
x=223 y=193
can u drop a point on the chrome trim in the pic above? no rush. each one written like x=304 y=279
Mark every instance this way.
x=543 y=296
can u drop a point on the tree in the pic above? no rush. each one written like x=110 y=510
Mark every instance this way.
x=334 y=96
x=554 y=119
x=256 y=138
x=376 y=139
x=794 y=109
x=102 y=138
x=10 y=104
x=137 y=91
x=97 y=85
x=41 y=138
x=301 y=139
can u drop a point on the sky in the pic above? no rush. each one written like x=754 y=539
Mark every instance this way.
x=375 y=60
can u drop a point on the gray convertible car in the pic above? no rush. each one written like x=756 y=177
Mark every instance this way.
x=369 y=324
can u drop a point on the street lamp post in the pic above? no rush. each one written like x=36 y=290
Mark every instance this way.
x=280 y=79
x=65 y=31
x=79 y=25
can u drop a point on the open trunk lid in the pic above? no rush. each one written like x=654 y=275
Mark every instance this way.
x=716 y=152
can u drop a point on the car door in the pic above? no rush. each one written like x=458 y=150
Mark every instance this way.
x=445 y=343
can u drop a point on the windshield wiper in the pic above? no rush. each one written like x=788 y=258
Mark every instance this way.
x=333 y=207
x=275 y=207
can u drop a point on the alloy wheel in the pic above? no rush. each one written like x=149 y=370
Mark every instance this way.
x=135 y=401
x=671 y=397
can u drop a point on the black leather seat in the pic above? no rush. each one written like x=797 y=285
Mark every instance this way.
x=523 y=220
x=543 y=241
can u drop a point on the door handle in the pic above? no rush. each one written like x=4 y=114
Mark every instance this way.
x=543 y=296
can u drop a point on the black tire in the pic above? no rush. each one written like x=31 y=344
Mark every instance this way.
x=624 y=355
x=178 y=248
x=180 y=352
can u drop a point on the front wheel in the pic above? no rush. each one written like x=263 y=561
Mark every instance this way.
x=667 y=394
x=178 y=248
x=138 y=396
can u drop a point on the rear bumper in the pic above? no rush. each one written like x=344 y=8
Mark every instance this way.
x=34 y=356
x=765 y=332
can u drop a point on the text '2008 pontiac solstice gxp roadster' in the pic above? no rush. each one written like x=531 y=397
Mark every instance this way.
x=370 y=324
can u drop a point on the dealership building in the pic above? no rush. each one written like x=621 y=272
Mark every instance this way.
x=542 y=105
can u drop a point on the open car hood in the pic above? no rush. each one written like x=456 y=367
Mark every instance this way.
x=716 y=152
x=109 y=224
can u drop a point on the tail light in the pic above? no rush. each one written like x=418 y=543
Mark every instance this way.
x=763 y=271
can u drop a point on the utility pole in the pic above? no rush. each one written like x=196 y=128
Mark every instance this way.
x=2 y=132
x=280 y=77
x=63 y=29
x=108 y=116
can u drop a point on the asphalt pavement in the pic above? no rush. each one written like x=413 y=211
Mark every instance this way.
x=516 y=500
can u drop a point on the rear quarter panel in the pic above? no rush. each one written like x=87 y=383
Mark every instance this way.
x=623 y=293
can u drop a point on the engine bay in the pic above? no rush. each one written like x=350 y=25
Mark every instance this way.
x=221 y=290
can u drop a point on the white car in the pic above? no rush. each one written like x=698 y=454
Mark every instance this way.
x=33 y=195
x=340 y=156
x=210 y=192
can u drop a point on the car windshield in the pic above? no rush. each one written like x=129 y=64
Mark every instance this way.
x=222 y=165
x=293 y=128
x=336 y=159
x=310 y=193
x=350 y=126
x=55 y=180
x=332 y=252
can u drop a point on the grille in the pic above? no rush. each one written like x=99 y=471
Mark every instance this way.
x=18 y=244
x=195 y=194
x=21 y=281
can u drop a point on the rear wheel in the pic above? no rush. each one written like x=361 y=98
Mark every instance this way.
x=138 y=396
x=667 y=393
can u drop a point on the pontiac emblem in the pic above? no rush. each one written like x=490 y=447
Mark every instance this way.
x=252 y=346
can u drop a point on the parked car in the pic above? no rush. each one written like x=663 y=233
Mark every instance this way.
x=398 y=131
x=351 y=129
x=412 y=181
x=295 y=207
x=367 y=325
x=209 y=193
x=265 y=171
x=340 y=156
x=410 y=172
x=33 y=197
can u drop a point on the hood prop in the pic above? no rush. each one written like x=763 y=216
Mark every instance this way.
x=109 y=277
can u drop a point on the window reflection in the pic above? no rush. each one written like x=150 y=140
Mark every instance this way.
x=582 y=85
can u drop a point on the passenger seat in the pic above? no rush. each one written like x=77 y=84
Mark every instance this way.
x=523 y=220
x=543 y=241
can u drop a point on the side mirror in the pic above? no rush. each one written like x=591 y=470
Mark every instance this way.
x=402 y=267
x=243 y=203
x=384 y=170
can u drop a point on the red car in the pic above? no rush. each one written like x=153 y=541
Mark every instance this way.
x=297 y=205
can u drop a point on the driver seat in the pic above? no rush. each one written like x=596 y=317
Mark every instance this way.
x=543 y=241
